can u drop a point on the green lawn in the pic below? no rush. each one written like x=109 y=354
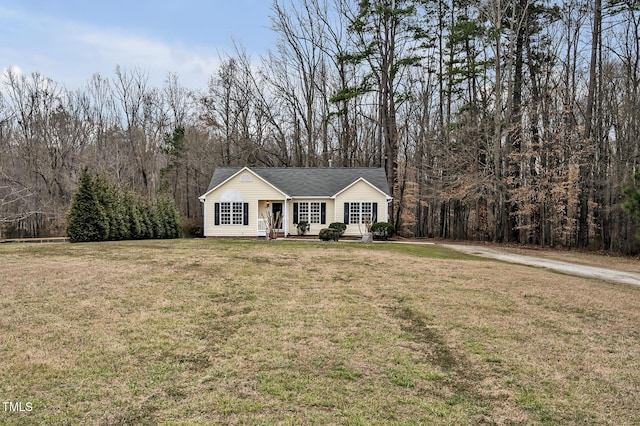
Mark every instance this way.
x=255 y=332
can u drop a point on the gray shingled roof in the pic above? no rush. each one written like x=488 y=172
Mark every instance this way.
x=308 y=182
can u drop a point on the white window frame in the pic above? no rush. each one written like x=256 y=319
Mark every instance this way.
x=310 y=212
x=354 y=213
x=360 y=212
x=231 y=213
x=303 y=212
x=366 y=212
x=225 y=213
x=315 y=215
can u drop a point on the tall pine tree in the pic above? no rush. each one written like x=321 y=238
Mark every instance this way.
x=86 y=218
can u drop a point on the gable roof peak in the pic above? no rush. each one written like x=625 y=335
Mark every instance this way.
x=308 y=181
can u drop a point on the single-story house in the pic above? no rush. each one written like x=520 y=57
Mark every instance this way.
x=240 y=201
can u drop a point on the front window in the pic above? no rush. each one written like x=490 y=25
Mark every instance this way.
x=361 y=212
x=231 y=213
x=309 y=212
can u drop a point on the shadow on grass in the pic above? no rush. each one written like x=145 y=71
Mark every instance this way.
x=431 y=251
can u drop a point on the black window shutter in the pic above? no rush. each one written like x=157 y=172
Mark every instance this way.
x=323 y=213
x=374 y=210
x=216 y=214
x=245 y=214
x=295 y=213
x=346 y=213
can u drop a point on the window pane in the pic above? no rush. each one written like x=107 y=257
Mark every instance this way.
x=225 y=213
x=354 y=213
x=303 y=212
x=367 y=212
x=237 y=213
x=315 y=213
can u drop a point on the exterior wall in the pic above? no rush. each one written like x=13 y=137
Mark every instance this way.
x=251 y=192
x=361 y=191
x=314 y=228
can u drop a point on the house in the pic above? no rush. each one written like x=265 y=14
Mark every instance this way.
x=240 y=200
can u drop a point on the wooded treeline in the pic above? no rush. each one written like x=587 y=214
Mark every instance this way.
x=500 y=120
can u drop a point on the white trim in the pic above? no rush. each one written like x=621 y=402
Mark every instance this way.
x=361 y=202
x=307 y=217
x=385 y=206
x=365 y=181
x=232 y=212
x=312 y=197
x=285 y=219
x=259 y=233
x=204 y=218
x=202 y=197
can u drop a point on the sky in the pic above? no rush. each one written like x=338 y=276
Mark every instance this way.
x=70 y=40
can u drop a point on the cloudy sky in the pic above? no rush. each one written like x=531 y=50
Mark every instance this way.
x=69 y=40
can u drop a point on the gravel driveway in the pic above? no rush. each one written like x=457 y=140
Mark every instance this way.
x=555 y=265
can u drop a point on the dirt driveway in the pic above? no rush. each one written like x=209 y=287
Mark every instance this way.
x=570 y=268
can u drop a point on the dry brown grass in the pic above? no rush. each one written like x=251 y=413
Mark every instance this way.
x=247 y=332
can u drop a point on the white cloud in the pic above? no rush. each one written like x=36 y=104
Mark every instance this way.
x=109 y=48
x=156 y=57
x=70 y=52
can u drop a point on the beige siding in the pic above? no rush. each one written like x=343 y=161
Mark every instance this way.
x=315 y=227
x=361 y=191
x=251 y=192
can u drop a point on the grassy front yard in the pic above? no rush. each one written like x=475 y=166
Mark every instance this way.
x=250 y=332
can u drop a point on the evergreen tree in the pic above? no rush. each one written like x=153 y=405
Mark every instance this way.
x=124 y=229
x=174 y=148
x=149 y=230
x=86 y=218
x=135 y=220
x=174 y=220
x=155 y=213
x=111 y=200
x=170 y=217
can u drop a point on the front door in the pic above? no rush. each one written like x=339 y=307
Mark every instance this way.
x=276 y=211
